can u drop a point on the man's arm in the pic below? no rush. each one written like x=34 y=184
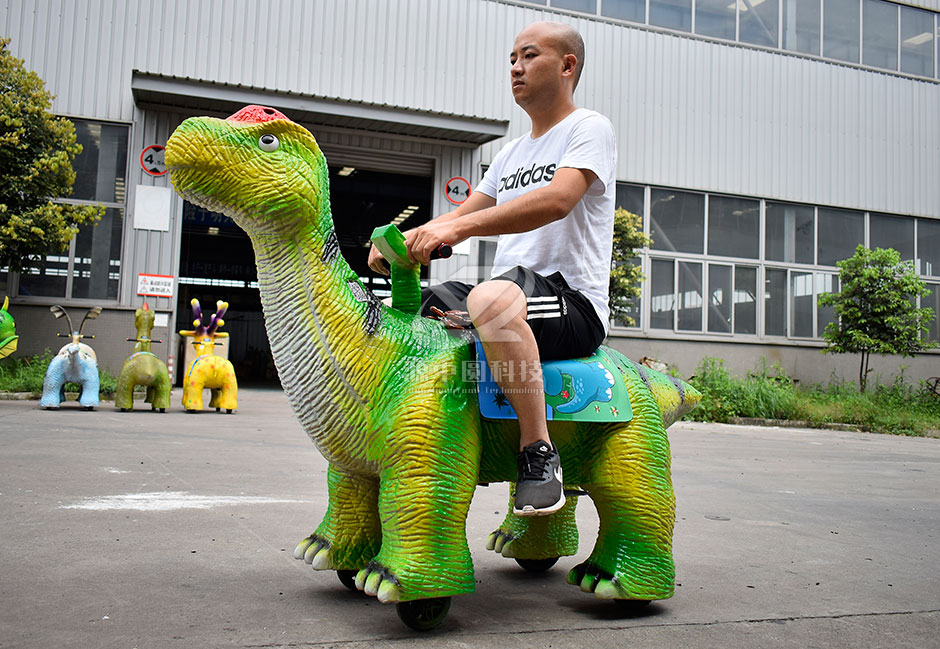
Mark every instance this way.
x=476 y=201
x=522 y=214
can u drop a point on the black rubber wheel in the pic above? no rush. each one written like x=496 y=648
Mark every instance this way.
x=162 y=409
x=632 y=605
x=424 y=614
x=125 y=409
x=537 y=565
x=228 y=411
x=348 y=577
x=220 y=410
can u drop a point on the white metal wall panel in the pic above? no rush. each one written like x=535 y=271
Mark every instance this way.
x=689 y=113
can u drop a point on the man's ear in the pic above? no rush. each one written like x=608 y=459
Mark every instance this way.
x=570 y=63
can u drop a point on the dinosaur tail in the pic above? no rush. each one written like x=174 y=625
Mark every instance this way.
x=674 y=396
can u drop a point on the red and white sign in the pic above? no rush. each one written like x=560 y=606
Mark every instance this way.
x=151 y=160
x=457 y=190
x=155 y=285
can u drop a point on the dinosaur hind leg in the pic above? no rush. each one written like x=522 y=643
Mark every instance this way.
x=631 y=487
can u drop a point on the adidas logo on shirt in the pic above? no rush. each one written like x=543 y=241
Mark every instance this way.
x=520 y=178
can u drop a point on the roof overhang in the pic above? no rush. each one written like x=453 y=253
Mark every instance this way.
x=160 y=92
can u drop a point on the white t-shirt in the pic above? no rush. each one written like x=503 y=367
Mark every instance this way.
x=580 y=244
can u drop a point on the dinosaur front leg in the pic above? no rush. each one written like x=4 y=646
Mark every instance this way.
x=424 y=498
x=631 y=486
x=350 y=533
x=536 y=537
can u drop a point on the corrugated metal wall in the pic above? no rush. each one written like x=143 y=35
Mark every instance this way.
x=689 y=113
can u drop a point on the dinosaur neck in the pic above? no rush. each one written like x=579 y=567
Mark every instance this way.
x=316 y=325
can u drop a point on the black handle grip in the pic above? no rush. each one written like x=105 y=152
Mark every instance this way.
x=443 y=251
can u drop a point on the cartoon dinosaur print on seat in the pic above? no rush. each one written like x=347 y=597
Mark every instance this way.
x=380 y=392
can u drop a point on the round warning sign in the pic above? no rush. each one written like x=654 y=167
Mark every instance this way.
x=151 y=159
x=457 y=190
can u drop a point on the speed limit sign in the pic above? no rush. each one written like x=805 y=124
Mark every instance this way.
x=151 y=160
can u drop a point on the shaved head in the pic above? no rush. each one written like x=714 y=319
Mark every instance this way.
x=564 y=39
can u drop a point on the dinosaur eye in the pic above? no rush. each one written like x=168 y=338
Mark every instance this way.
x=268 y=142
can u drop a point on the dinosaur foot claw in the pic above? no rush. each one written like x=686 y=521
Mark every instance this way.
x=376 y=580
x=316 y=551
x=591 y=578
x=501 y=541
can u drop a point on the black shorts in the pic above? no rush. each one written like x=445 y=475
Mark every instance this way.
x=563 y=320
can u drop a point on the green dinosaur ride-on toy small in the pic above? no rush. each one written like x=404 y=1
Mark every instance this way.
x=382 y=393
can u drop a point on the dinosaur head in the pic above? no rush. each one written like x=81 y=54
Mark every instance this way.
x=258 y=167
x=8 y=335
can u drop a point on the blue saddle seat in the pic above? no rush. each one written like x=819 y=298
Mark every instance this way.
x=581 y=389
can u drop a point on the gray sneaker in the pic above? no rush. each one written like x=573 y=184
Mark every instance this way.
x=539 y=489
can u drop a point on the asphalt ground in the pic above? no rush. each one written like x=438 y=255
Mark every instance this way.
x=176 y=530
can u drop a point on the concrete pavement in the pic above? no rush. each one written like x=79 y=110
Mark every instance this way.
x=176 y=530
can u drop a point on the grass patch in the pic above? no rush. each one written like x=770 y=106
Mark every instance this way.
x=768 y=393
x=25 y=374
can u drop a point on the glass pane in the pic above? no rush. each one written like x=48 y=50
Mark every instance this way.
x=840 y=35
x=46 y=278
x=933 y=301
x=825 y=283
x=634 y=10
x=662 y=293
x=801 y=26
x=896 y=232
x=677 y=220
x=789 y=233
x=719 y=298
x=802 y=305
x=745 y=300
x=630 y=198
x=775 y=302
x=733 y=227
x=4 y=281
x=928 y=247
x=759 y=21
x=690 y=296
x=916 y=41
x=880 y=35
x=588 y=6
x=715 y=18
x=839 y=232
x=101 y=166
x=674 y=14
x=97 y=265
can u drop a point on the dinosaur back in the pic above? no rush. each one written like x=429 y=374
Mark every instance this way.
x=674 y=396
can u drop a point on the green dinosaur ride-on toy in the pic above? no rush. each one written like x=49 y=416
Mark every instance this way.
x=383 y=395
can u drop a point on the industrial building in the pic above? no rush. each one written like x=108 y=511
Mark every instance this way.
x=761 y=140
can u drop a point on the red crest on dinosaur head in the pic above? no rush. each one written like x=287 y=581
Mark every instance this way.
x=256 y=115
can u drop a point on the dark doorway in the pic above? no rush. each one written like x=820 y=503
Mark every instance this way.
x=217 y=261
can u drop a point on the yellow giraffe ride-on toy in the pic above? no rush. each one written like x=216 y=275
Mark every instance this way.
x=208 y=370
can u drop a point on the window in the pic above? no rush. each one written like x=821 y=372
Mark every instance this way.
x=759 y=19
x=839 y=232
x=677 y=221
x=825 y=283
x=674 y=14
x=933 y=301
x=840 y=30
x=775 y=302
x=634 y=10
x=587 y=6
x=802 y=304
x=896 y=232
x=662 y=294
x=917 y=41
x=790 y=233
x=928 y=247
x=801 y=26
x=880 y=34
x=632 y=199
x=733 y=227
x=745 y=300
x=715 y=18
x=690 y=296
x=90 y=268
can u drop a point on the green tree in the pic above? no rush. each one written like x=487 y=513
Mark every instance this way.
x=876 y=310
x=625 y=275
x=36 y=154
